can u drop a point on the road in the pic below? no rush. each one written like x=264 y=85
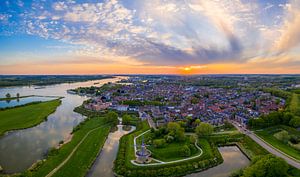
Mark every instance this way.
x=290 y=160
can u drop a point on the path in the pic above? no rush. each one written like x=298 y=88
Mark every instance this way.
x=73 y=151
x=290 y=160
x=159 y=161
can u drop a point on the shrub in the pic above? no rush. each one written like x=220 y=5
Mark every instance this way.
x=282 y=136
x=159 y=143
x=185 y=151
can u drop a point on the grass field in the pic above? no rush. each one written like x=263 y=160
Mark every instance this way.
x=172 y=151
x=81 y=161
x=26 y=116
x=294 y=106
x=267 y=135
x=83 y=157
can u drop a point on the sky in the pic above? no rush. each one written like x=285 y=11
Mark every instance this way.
x=149 y=37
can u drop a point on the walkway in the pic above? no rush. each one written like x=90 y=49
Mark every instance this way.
x=162 y=162
x=290 y=160
x=73 y=151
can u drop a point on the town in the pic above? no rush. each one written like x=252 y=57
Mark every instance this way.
x=167 y=100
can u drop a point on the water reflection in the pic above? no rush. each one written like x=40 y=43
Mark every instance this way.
x=20 y=149
x=22 y=101
x=103 y=165
x=234 y=160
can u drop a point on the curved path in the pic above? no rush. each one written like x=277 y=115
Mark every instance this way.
x=290 y=160
x=162 y=162
x=73 y=151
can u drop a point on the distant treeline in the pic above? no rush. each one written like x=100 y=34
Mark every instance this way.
x=40 y=80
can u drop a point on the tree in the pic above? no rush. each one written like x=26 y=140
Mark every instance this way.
x=204 y=129
x=197 y=122
x=7 y=95
x=267 y=166
x=126 y=119
x=18 y=95
x=176 y=131
x=112 y=117
x=295 y=122
x=286 y=118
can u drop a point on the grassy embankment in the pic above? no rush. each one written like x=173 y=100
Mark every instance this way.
x=26 y=116
x=249 y=147
x=172 y=151
x=268 y=133
x=123 y=166
x=80 y=162
x=294 y=106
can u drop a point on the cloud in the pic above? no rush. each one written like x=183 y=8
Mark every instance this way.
x=160 y=32
x=290 y=33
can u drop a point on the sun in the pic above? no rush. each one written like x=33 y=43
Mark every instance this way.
x=187 y=69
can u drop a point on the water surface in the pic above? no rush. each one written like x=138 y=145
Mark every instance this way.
x=234 y=160
x=25 y=100
x=103 y=166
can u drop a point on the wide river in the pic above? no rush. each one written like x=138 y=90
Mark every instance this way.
x=20 y=149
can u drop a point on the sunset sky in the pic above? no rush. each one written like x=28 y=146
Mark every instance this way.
x=155 y=36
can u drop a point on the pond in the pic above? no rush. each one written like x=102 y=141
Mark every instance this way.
x=25 y=100
x=234 y=160
x=20 y=149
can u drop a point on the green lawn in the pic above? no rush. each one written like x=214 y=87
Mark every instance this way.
x=26 y=116
x=172 y=151
x=295 y=104
x=83 y=157
x=267 y=135
x=129 y=138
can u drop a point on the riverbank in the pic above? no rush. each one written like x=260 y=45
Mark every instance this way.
x=43 y=80
x=14 y=98
x=75 y=157
x=103 y=165
x=26 y=116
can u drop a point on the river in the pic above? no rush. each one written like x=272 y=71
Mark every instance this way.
x=234 y=160
x=20 y=149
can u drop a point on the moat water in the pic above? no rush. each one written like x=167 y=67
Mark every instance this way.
x=20 y=149
x=103 y=166
x=234 y=160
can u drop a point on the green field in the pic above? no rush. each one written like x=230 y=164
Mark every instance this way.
x=294 y=106
x=82 y=159
x=171 y=151
x=26 y=116
x=267 y=135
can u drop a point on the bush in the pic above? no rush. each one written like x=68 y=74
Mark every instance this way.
x=159 y=143
x=282 y=136
x=185 y=151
